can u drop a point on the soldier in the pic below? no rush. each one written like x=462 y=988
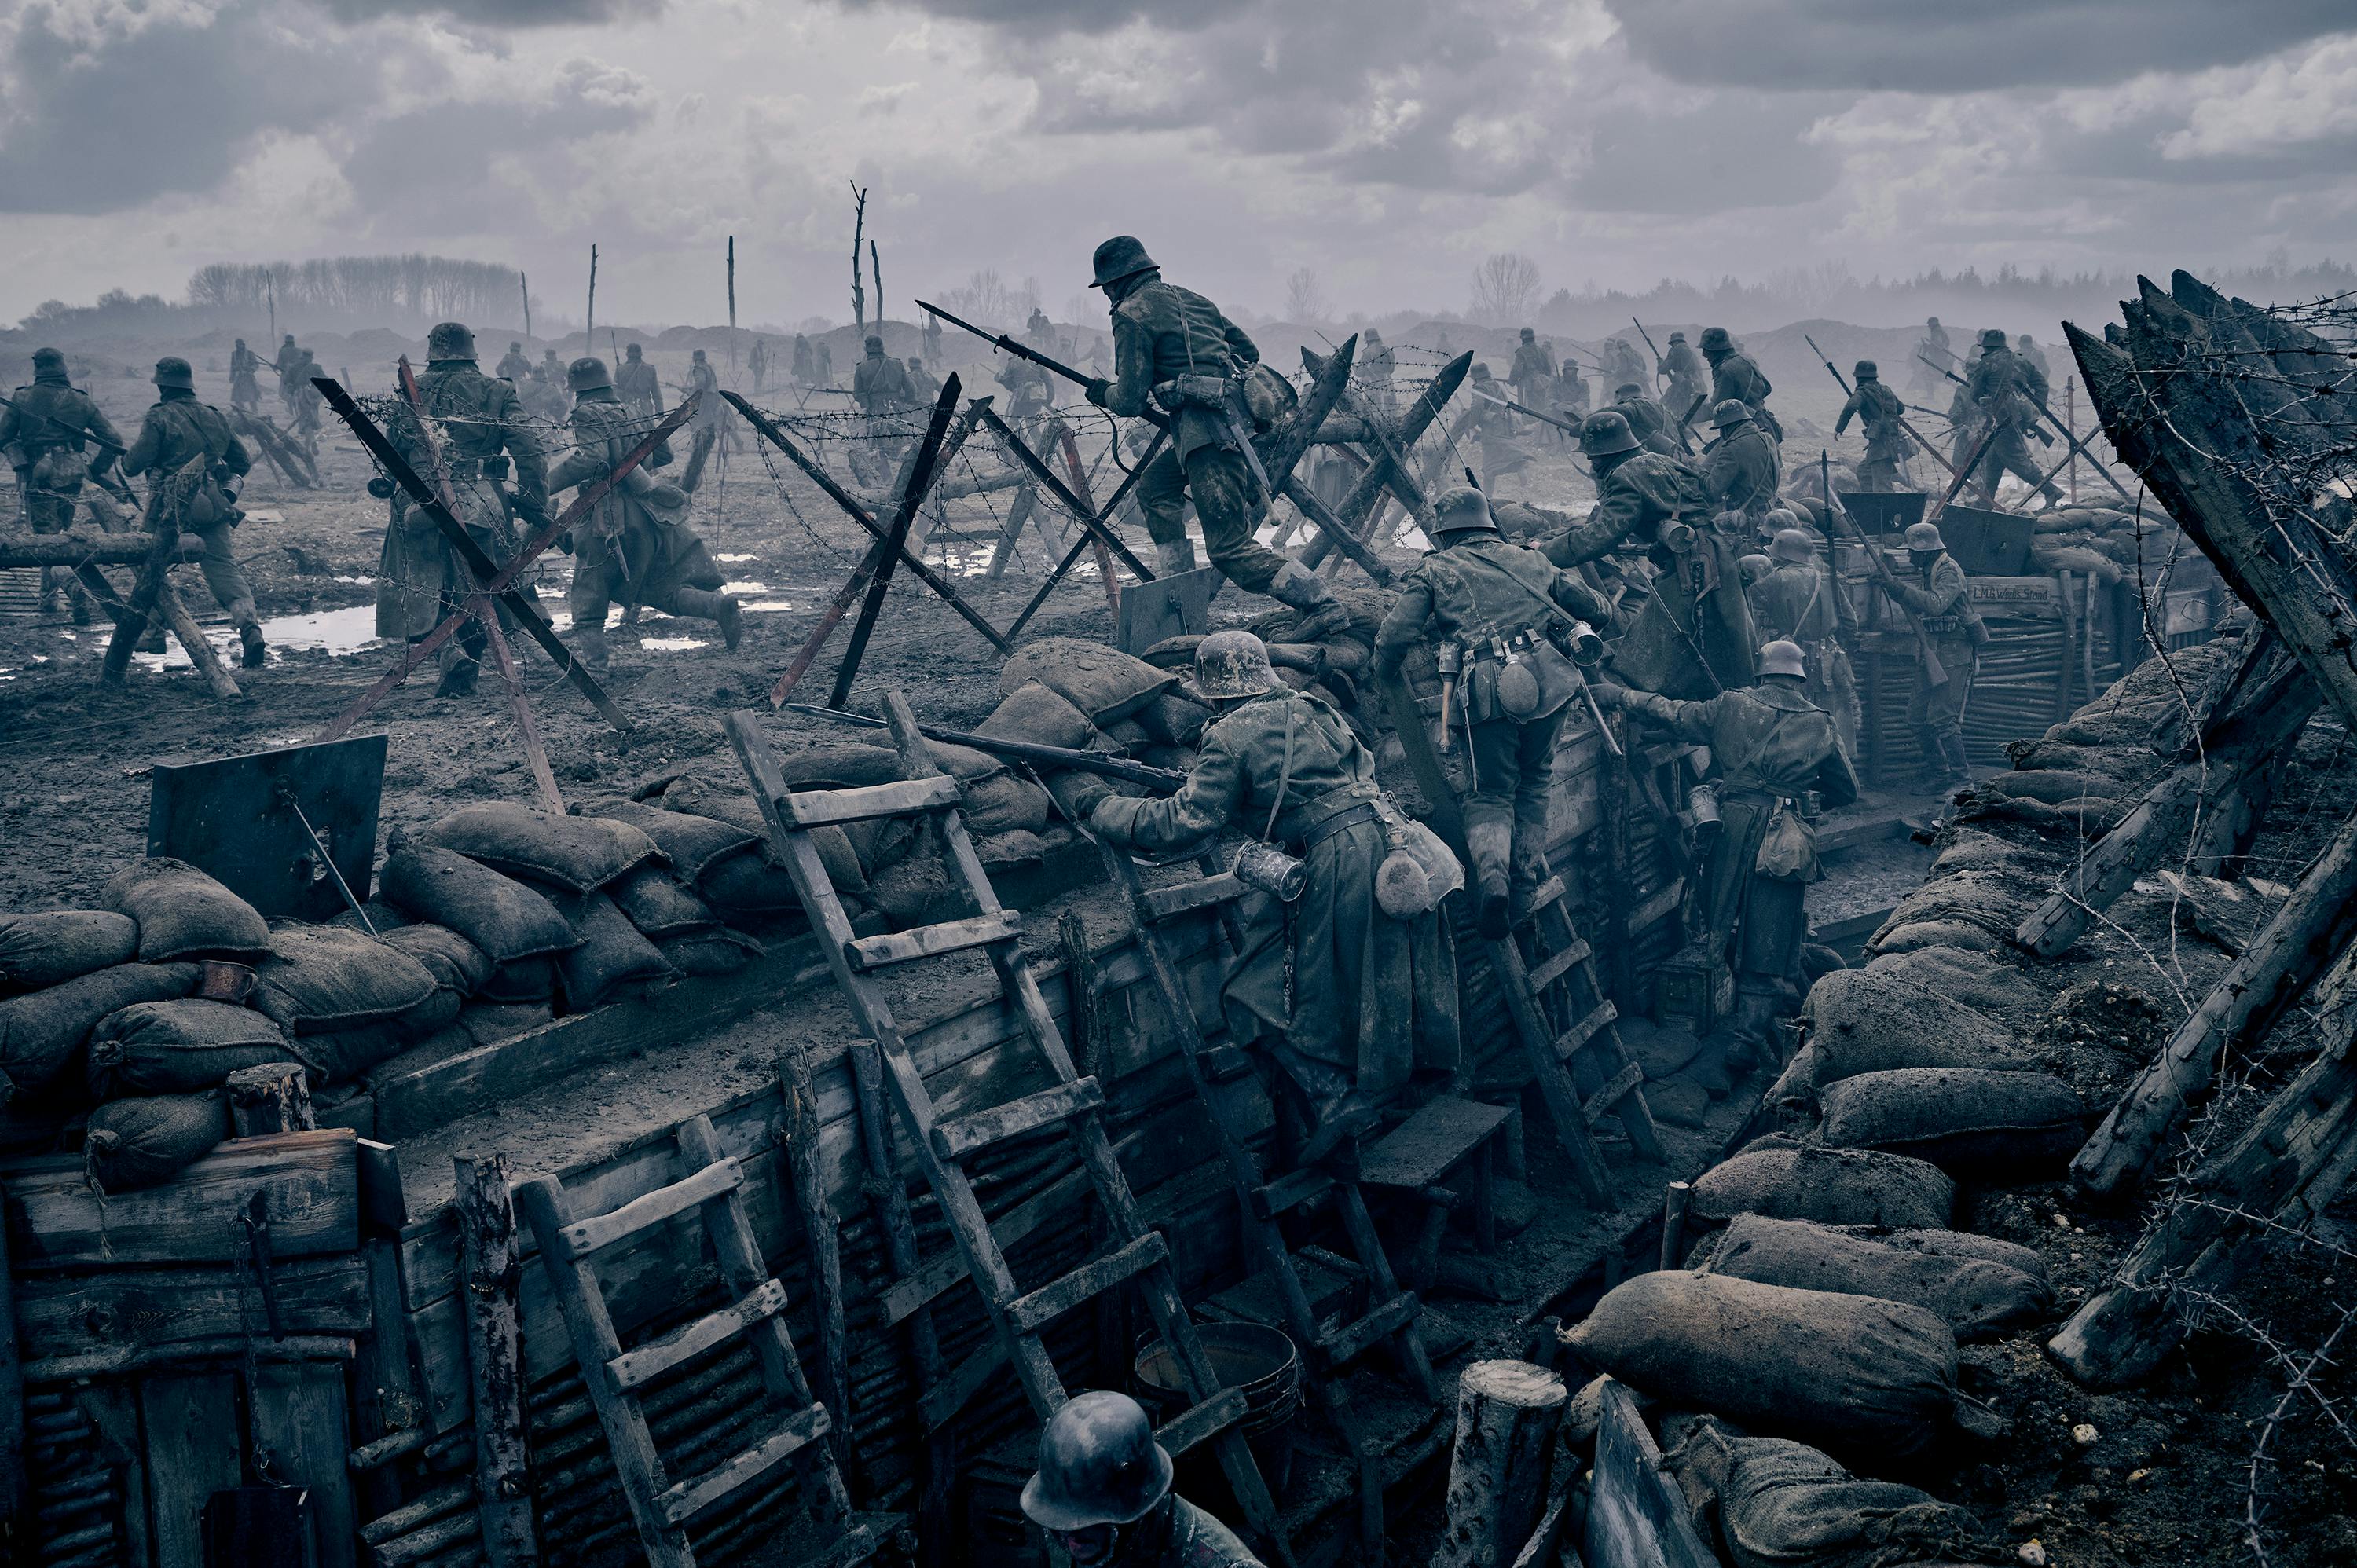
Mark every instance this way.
x=514 y=365
x=933 y=337
x=1041 y=332
x=1622 y=362
x=1878 y=411
x=1174 y=345
x=1509 y=609
x=1029 y=394
x=757 y=361
x=179 y=431
x=637 y=545
x=1795 y=601
x=925 y=387
x=1533 y=372
x=1771 y=748
x=1941 y=599
x=1932 y=358
x=824 y=364
x=1687 y=381
x=1742 y=468
x=881 y=389
x=1377 y=367
x=544 y=402
x=1359 y=1000
x=2005 y=392
x=636 y=384
x=244 y=379
x=805 y=369
x=47 y=428
x=283 y=363
x=303 y=399
x=1646 y=419
x=2035 y=356
x=484 y=433
x=1638 y=494
x=711 y=424
x=1733 y=375
x=1493 y=425
x=1102 y=1494
x=1570 y=390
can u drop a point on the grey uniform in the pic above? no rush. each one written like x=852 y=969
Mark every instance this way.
x=1940 y=598
x=1796 y=604
x=178 y=430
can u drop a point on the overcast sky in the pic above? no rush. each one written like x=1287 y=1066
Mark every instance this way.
x=1389 y=143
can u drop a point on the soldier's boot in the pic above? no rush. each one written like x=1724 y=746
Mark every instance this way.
x=249 y=637
x=79 y=597
x=1932 y=771
x=48 y=599
x=629 y=615
x=1174 y=556
x=589 y=647
x=713 y=606
x=1322 y=615
x=1953 y=756
x=1491 y=847
x=1341 y=1113
x=152 y=639
x=1529 y=867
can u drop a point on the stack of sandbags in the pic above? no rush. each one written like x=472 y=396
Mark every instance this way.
x=514 y=928
x=1981 y=1287
x=2105 y=541
x=1872 y=1020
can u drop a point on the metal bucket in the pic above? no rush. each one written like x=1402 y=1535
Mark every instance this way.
x=221 y=980
x=1253 y=1356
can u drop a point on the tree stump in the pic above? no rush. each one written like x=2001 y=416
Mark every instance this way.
x=1507 y=1414
x=273 y=1097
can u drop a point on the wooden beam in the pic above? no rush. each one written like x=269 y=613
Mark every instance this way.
x=491 y=1279
x=311 y=1179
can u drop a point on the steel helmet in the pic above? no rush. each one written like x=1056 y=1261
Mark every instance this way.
x=450 y=340
x=1626 y=389
x=56 y=358
x=173 y=371
x=1677 y=337
x=1480 y=370
x=630 y=352
x=1993 y=338
x=1730 y=413
x=1714 y=339
x=587 y=373
x=875 y=344
x=1461 y=509
x=1529 y=335
x=1231 y=664
x=1924 y=536
x=1792 y=547
x=1120 y=257
x=1753 y=567
x=1098 y=1461
x=1866 y=370
x=1606 y=434
x=1782 y=658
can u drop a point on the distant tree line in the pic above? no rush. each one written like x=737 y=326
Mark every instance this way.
x=335 y=292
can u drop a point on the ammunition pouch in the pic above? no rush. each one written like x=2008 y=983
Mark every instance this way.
x=1191 y=390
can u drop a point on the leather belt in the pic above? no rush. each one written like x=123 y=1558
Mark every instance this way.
x=1348 y=817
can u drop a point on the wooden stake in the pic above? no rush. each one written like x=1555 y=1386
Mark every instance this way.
x=858 y=228
x=1080 y=480
x=590 y=332
x=490 y=1276
x=1507 y=1413
x=523 y=286
x=1104 y=519
x=732 y=307
x=272 y=1098
x=198 y=647
x=876 y=267
x=912 y=497
x=1675 y=1201
x=806 y=1177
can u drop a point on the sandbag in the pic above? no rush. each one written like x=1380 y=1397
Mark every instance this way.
x=1831 y=1187
x=577 y=853
x=41 y=1030
x=612 y=955
x=150 y=1139
x=58 y=945
x=491 y=1021
x=1003 y=853
x=745 y=889
x=457 y=964
x=691 y=843
x=749 y=886
x=851 y=765
x=1915 y=934
x=1875 y=1379
x=178 y=1047
x=1033 y=713
x=1105 y=683
x=1782 y=1504
x=718 y=951
x=319 y=978
x=527 y=979
x=1005 y=803
x=383 y=919
x=651 y=900
x=2018 y=1126
x=906 y=890
x=1978 y=1299
x=1870 y=1021
x=183 y=913
x=500 y=915
x=1982 y=982
x=1173 y=720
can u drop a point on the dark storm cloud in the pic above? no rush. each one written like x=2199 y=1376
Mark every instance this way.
x=497 y=13
x=1962 y=45
x=101 y=121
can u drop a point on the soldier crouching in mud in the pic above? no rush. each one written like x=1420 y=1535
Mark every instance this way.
x=1358 y=997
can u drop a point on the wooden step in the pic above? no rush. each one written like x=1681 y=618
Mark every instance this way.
x=1544 y=894
x=1291 y=1190
x=817 y=808
x=1026 y=1313
x=684 y=1501
x=1203 y=1422
x=1569 y=1042
x=1346 y=1343
x=1616 y=1088
x=1165 y=903
x=636 y=1368
x=1561 y=964
x=932 y=942
x=1429 y=1144
x=961 y=1135
x=579 y=1240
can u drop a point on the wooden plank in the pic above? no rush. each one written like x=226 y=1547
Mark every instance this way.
x=1559 y=965
x=692 y=1497
x=63 y=1314
x=933 y=941
x=1546 y=893
x=905 y=1295
x=1026 y=1314
x=1569 y=1042
x=961 y=1137
x=1347 y=1342
x=805 y=1180
x=1165 y=903
x=1291 y=1190
x=493 y=1264
x=299 y=1416
x=113 y=1408
x=901 y=798
x=585 y=1238
x=1636 y=1514
x=634 y=1369
x=191 y=1427
x=1659 y=908
x=1616 y=1088
x=1430 y=1143
x=1198 y=1424
x=312 y=1181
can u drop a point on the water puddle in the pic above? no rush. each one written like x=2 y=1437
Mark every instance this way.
x=352 y=630
x=732 y=560
x=745 y=587
x=673 y=644
x=751 y=606
x=960 y=562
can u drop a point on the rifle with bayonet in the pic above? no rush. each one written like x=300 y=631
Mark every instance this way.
x=1934 y=672
x=1647 y=336
x=1848 y=391
x=1686 y=419
x=1518 y=408
x=1033 y=752
x=1007 y=344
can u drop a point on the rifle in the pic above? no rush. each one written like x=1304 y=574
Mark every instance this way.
x=1933 y=671
x=1024 y=352
x=1647 y=336
x=1848 y=391
x=1051 y=757
x=1686 y=418
x=1518 y=408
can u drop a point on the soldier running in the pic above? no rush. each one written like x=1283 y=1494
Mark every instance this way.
x=636 y=384
x=178 y=432
x=1681 y=370
x=1878 y=411
x=2005 y=392
x=1733 y=375
x=48 y=428
x=244 y=379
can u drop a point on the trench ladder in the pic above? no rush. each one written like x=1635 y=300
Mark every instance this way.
x=1073 y=1103
x=620 y=1379
x=1262 y=1203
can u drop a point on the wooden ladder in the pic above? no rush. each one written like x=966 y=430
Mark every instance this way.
x=1392 y=1316
x=1562 y=1016
x=618 y=1379
x=1073 y=1103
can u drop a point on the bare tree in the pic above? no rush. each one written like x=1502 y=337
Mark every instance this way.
x=858 y=230
x=1305 y=297
x=1504 y=286
x=987 y=300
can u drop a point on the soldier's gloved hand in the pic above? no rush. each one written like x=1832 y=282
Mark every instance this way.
x=1610 y=695
x=565 y=542
x=1098 y=391
x=1078 y=794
